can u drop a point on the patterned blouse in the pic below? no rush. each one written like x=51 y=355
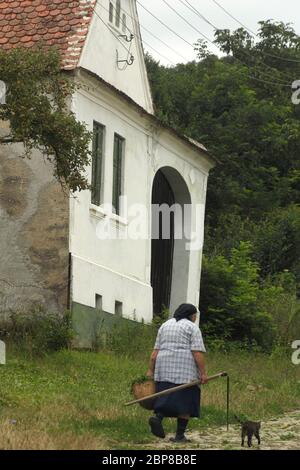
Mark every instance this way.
x=175 y=362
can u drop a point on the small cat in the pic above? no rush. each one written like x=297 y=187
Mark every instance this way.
x=249 y=429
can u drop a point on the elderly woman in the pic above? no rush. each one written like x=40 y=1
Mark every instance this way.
x=177 y=359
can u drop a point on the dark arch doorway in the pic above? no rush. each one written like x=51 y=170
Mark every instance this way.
x=162 y=249
x=170 y=258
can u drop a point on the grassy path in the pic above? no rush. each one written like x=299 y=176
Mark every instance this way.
x=276 y=434
x=75 y=400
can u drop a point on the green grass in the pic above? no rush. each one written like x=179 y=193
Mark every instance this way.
x=287 y=437
x=72 y=399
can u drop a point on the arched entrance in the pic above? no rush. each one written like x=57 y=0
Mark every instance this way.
x=169 y=257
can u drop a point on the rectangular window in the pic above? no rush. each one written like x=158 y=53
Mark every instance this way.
x=119 y=145
x=98 y=302
x=124 y=25
x=118 y=308
x=97 y=162
x=111 y=12
x=118 y=13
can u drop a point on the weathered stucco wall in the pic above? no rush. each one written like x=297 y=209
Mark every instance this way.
x=34 y=233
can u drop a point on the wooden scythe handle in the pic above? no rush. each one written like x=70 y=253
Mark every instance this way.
x=175 y=389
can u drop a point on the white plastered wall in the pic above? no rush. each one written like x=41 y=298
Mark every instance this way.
x=120 y=270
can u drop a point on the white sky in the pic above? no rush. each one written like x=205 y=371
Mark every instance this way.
x=249 y=12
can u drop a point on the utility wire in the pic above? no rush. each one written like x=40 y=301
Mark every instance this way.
x=164 y=43
x=164 y=57
x=187 y=22
x=197 y=12
x=269 y=82
x=174 y=32
x=165 y=25
x=182 y=17
x=234 y=18
x=255 y=35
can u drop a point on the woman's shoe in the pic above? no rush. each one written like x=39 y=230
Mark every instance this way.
x=181 y=439
x=157 y=427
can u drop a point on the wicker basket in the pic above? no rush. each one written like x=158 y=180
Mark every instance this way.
x=142 y=390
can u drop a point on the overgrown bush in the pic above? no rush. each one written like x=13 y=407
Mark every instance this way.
x=237 y=306
x=230 y=300
x=37 y=332
x=128 y=338
x=214 y=344
x=158 y=320
x=278 y=297
x=277 y=242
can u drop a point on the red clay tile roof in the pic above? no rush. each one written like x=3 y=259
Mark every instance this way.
x=60 y=23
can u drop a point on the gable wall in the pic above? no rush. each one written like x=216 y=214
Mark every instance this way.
x=101 y=48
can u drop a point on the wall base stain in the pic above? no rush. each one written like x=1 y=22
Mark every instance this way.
x=91 y=325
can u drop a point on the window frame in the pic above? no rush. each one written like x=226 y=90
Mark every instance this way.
x=118 y=171
x=98 y=151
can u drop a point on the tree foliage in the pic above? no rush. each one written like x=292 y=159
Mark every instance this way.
x=38 y=111
x=239 y=106
x=230 y=298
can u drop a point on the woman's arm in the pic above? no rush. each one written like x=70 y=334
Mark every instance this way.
x=200 y=361
x=151 y=368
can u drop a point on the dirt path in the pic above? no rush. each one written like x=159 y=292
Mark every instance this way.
x=276 y=434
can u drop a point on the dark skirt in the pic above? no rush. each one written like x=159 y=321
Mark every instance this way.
x=183 y=402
